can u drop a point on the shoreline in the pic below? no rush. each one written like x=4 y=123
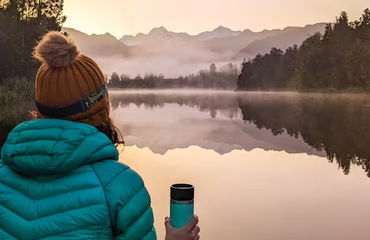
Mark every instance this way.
x=290 y=90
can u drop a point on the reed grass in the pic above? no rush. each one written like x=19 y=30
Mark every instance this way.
x=16 y=101
x=16 y=90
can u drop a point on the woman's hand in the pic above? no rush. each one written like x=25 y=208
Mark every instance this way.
x=189 y=232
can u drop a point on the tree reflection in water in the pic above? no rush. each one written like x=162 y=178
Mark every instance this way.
x=338 y=124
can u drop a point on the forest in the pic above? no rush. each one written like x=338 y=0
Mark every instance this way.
x=223 y=78
x=22 y=23
x=339 y=59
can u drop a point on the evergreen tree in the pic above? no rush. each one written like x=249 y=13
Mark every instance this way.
x=22 y=23
x=114 y=80
x=340 y=59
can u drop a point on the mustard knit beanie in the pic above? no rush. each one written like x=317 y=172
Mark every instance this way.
x=69 y=85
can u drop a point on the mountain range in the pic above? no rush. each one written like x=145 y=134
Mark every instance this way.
x=171 y=53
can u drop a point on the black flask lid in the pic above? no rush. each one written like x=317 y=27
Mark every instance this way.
x=182 y=192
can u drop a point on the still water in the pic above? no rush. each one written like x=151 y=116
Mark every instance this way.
x=265 y=165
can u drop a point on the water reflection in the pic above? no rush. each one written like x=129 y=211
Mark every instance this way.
x=332 y=125
x=223 y=102
x=257 y=159
x=259 y=195
x=337 y=124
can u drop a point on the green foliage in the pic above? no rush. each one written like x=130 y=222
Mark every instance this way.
x=339 y=59
x=22 y=23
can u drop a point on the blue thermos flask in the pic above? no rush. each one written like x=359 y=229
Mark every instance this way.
x=182 y=204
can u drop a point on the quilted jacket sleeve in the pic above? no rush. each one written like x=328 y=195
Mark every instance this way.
x=129 y=205
x=133 y=214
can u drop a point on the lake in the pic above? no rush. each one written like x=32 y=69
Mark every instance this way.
x=265 y=165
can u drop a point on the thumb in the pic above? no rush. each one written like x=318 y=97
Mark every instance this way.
x=167 y=223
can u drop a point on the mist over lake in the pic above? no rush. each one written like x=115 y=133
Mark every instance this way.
x=263 y=106
x=270 y=160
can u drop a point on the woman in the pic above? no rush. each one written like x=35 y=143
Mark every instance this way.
x=59 y=175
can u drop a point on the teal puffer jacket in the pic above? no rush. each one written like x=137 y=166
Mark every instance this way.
x=61 y=180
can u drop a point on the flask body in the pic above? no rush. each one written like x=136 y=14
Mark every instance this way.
x=181 y=212
x=182 y=204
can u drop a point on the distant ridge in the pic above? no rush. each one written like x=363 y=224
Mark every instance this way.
x=219 y=32
x=284 y=39
x=98 y=44
x=161 y=51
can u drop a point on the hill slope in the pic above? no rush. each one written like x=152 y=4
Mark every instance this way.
x=98 y=45
x=286 y=38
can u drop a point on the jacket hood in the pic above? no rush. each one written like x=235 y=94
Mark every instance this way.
x=53 y=146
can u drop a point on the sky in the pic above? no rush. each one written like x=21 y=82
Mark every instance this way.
x=129 y=17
